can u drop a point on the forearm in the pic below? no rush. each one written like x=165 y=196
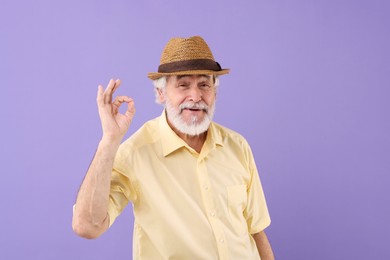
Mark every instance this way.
x=90 y=217
x=263 y=246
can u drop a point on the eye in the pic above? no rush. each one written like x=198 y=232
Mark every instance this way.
x=182 y=85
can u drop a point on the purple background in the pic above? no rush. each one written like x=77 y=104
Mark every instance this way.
x=309 y=89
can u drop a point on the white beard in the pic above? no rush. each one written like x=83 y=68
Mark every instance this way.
x=194 y=127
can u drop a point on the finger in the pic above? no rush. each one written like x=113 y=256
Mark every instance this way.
x=121 y=99
x=108 y=92
x=99 y=97
x=130 y=112
x=118 y=102
x=117 y=84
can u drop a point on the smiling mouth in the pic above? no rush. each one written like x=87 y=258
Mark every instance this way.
x=194 y=109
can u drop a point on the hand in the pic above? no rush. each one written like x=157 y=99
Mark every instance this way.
x=114 y=124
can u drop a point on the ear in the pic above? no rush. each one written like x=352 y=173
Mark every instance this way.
x=161 y=96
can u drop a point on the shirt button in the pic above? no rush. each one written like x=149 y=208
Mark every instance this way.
x=212 y=213
x=222 y=241
x=206 y=187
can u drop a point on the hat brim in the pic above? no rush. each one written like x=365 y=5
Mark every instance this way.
x=156 y=75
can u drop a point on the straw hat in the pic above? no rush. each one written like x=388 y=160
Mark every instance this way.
x=187 y=56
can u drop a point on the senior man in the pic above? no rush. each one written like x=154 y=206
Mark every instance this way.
x=194 y=185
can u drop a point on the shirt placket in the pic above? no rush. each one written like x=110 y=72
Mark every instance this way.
x=211 y=210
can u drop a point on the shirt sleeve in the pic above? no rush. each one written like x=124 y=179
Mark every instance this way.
x=256 y=212
x=122 y=188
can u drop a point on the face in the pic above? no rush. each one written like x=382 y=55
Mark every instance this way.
x=190 y=102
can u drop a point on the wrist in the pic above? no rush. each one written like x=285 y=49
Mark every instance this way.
x=109 y=143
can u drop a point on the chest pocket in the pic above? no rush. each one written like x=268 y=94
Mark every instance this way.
x=237 y=201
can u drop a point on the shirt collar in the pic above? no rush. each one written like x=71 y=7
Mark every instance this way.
x=171 y=141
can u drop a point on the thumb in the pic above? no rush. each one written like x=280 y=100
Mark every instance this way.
x=130 y=112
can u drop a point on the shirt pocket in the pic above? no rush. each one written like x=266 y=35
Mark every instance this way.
x=237 y=201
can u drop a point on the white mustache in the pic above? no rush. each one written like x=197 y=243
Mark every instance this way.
x=189 y=105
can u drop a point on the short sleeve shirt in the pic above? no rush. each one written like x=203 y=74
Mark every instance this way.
x=189 y=205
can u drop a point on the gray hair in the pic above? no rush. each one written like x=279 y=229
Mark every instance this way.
x=161 y=83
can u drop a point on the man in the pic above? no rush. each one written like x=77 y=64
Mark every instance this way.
x=194 y=185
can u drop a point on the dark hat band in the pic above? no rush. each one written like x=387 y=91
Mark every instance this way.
x=184 y=65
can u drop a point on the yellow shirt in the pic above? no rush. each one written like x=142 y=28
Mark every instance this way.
x=189 y=205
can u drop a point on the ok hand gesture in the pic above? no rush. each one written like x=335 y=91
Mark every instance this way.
x=114 y=124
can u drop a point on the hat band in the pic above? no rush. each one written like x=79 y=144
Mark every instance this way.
x=198 y=64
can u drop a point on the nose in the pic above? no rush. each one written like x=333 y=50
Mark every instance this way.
x=195 y=95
